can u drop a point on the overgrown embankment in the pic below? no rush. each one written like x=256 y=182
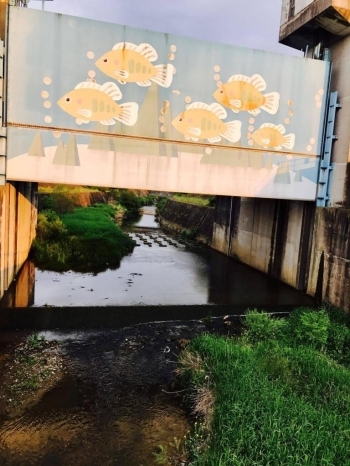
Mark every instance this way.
x=86 y=238
x=191 y=220
x=279 y=394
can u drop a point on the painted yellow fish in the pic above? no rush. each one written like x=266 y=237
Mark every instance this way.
x=242 y=93
x=93 y=102
x=272 y=136
x=202 y=121
x=130 y=63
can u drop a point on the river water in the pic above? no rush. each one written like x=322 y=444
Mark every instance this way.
x=162 y=270
x=116 y=401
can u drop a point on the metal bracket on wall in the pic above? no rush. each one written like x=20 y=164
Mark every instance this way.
x=326 y=166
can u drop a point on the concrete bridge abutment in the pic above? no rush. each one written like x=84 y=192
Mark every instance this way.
x=18 y=216
x=273 y=236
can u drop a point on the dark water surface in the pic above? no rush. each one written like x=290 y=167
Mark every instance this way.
x=162 y=270
x=116 y=401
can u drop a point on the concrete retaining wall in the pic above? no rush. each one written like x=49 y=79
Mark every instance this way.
x=178 y=216
x=330 y=260
x=18 y=215
x=273 y=236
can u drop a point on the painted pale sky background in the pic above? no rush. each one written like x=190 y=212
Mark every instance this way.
x=246 y=23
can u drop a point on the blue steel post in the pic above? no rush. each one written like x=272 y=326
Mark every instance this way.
x=326 y=166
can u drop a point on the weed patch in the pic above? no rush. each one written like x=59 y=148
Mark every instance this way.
x=280 y=394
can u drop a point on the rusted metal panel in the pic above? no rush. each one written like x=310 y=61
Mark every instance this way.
x=109 y=105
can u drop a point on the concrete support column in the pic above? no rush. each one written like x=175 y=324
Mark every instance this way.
x=18 y=216
x=273 y=236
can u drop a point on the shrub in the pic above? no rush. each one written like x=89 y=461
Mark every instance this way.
x=161 y=203
x=49 y=226
x=262 y=327
x=190 y=234
x=338 y=337
x=312 y=328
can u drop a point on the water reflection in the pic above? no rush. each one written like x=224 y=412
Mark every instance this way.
x=160 y=271
x=21 y=291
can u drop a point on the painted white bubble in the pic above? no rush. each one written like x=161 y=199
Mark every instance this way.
x=173 y=48
x=291 y=113
x=78 y=121
x=171 y=56
x=47 y=119
x=90 y=55
x=188 y=99
x=166 y=103
x=312 y=140
x=319 y=104
x=47 y=81
x=249 y=135
x=287 y=121
x=219 y=83
x=45 y=94
x=47 y=104
x=161 y=119
x=317 y=97
x=208 y=150
x=321 y=91
x=309 y=148
x=163 y=129
x=250 y=142
x=217 y=77
x=290 y=103
x=217 y=68
x=91 y=74
x=57 y=134
x=174 y=70
x=250 y=129
x=176 y=92
x=251 y=120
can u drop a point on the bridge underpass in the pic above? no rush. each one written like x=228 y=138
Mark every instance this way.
x=107 y=105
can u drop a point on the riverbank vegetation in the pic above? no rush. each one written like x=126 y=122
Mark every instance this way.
x=85 y=238
x=206 y=201
x=69 y=236
x=278 y=394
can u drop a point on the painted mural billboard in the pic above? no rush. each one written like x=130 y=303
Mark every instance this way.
x=100 y=104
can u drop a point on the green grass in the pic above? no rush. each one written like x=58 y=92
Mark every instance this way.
x=83 y=239
x=193 y=199
x=278 y=401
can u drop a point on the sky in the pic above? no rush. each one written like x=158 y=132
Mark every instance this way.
x=246 y=23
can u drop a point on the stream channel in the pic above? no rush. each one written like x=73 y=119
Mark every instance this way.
x=119 y=333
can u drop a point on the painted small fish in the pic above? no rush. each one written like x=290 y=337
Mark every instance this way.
x=272 y=136
x=242 y=93
x=93 y=102
x=130 y=63
x=202 y=121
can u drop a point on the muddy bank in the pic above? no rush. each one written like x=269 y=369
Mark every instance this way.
x=27 y=372
x=117 y=402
